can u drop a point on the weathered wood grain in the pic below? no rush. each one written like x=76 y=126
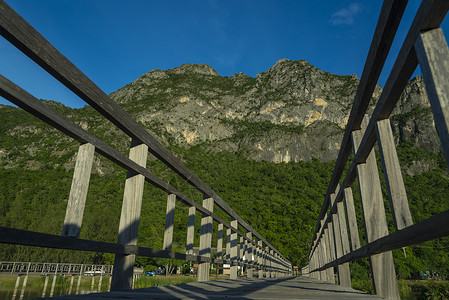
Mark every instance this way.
x=169 y=222
x=382 y=265
x=387 y=25
x=429 y=229
x=393 y=176
x=78 y=191
x=344 y=277
x=352 y=219
x=28 y=40
x=122 y=277
x=433 y=54
x=233 y=250
x=205 y=240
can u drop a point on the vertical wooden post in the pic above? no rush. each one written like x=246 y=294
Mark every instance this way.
x=382 y=265
x=344 y=242
x=240 y=255
x=343 y=269
x=93 y=282
x=71 y=284
x=330 y=271
x=433 y=56
x=352 y=219
x=78 y=192
x=249 y=255
x=205 y=240
x=267 y=262
x=122 y=276
x=101 y=279
x=79 y=280
x=169 y=222
x=190 y=230
x=44 y=290
x=219 y=245
x=234 y=250
x=228 y=244
x=393 y=176
x=52 y=290
x=259 y=258
x=24 y=284
x=16 y=287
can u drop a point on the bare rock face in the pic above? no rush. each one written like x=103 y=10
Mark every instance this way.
x=291 y=112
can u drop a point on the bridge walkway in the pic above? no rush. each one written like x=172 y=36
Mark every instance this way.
x=243 y=288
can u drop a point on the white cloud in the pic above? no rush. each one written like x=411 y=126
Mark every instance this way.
x=346 y=15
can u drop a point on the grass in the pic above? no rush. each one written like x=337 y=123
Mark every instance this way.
x=35 y=284
x=412 y=289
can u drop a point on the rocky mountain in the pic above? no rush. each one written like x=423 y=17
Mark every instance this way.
x=291 y=112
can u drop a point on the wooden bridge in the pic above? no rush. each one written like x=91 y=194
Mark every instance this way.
x=335 y=242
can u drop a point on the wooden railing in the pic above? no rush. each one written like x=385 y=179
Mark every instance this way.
x=269 y=261
x=332 y=246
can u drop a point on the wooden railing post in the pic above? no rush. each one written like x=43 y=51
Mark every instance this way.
x=78 y=192
x=219 y=244
x=382 y=265
x=352 y=219
x=169 y=222
x=249 y=255
x=234 y=250
x=341 y=241
x=240 y=255
x=267 y=262
x=322 y=258
x=190 y=230
x=259 y=258
x=330 y=271
x=433 y=56
x=393 y=177
x=205 y=240
x=122 y=276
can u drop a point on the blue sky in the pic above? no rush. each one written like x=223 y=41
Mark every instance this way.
x=114 y=42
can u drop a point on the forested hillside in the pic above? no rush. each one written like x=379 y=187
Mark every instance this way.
x=280 y=198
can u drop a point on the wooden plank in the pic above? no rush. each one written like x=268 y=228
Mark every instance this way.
x=326 y=255
x=382 y=265
x=344 y=242
x=344 y=277
x=352 y=219
x=169 y=222
x=220 y=241
x=22 y=35
x=429 y=15
x=249 y=255
x=387 y=25
x=21 y=98
x=205 y=240
x=29 y=238
x=393 y=177
x=233 y=250
x=259 y=258
x=429 y=229
x=285 y=288
x=330 y=271
x=122 y=277
x=78 y=191
x=433 y=54
x=190 y=230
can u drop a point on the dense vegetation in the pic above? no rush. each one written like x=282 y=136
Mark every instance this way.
x=281 y=201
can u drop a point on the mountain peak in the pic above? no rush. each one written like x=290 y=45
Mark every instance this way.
x=195 y=68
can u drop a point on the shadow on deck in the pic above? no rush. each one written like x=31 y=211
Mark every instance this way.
x=276 y=288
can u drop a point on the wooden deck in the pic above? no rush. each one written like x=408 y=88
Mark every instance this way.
x=276 y=288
